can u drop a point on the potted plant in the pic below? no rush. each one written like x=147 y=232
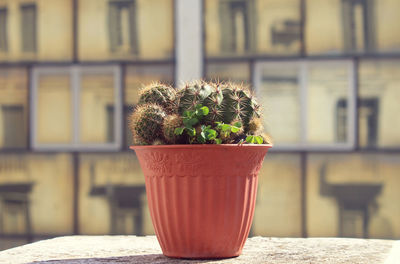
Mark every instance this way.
x=200 y=148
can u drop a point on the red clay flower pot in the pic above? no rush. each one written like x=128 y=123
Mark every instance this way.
x=201 y=197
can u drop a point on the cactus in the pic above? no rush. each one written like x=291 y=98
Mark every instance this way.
x=171 y=122
x=199 y=112
x=226 y=102
x=193 y=94
x=239 y=104
x=255 y=126
x=214 y=102
x=157 y=93
x=146 y=123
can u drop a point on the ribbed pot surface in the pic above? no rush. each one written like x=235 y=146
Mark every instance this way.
x=201 y=197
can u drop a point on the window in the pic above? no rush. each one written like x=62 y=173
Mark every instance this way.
x=239 y=27
x=3 y=30
x=136 y=77
x=357 y=17
x=13 y=108
x=125 y=30
x=123 y=27
x=28 y=27
x=303 y=103
x=379 y=122
x=76 y=107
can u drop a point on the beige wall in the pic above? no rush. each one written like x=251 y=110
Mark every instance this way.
x=387 y=25
x=278 y=210
x=323 y=212
x=54 y=30
x=323 y=32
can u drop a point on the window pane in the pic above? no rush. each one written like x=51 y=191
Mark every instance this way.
x=240 y=27
x=379 y=122
x=387 y=26
x=3 y=29
x=138 y=76
x=351 y=195
x=279 y=94
x=42 y=182
x=328 y=102
x=235 y=72
x=112 y=189
x=125 y=30
x=54 y=108
x=278 y=198
x=36 y=30
x=97 y=107
x=28 y=27
x=13 y=108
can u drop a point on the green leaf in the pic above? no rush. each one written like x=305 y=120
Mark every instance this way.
x=205 y=110
x=238 y=124
x=191 y=131
x=250 y=139
x=235 y=129
x=187 y=113
x=259 y=140
x=201 y=137
x=218 y=141
x=225 y=127
x=193 y=121
x=211 y=134
x=190 y=122
x=179 y=130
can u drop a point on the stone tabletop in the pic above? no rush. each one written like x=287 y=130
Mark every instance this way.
x=132 y=249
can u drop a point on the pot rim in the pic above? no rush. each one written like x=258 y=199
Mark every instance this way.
x=201 y=146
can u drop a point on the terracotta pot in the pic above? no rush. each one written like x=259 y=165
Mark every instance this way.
x=201 y=197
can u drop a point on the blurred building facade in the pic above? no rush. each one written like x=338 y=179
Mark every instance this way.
x=327 y=72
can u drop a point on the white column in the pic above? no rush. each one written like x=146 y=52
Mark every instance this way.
x=189 y=42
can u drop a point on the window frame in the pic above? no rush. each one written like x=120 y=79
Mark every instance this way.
x=303 y=64
x=75 y=73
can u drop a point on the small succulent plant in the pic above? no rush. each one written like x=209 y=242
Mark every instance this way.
x=197 y=113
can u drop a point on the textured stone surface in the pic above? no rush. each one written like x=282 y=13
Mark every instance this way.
x=131 y=249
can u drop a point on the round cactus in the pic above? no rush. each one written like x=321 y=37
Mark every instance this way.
x=214 y=102
x=157 y=93
x=193 y=94
x=171 y=122
x=255 y=125
x=238 y=104
x=146 y=124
